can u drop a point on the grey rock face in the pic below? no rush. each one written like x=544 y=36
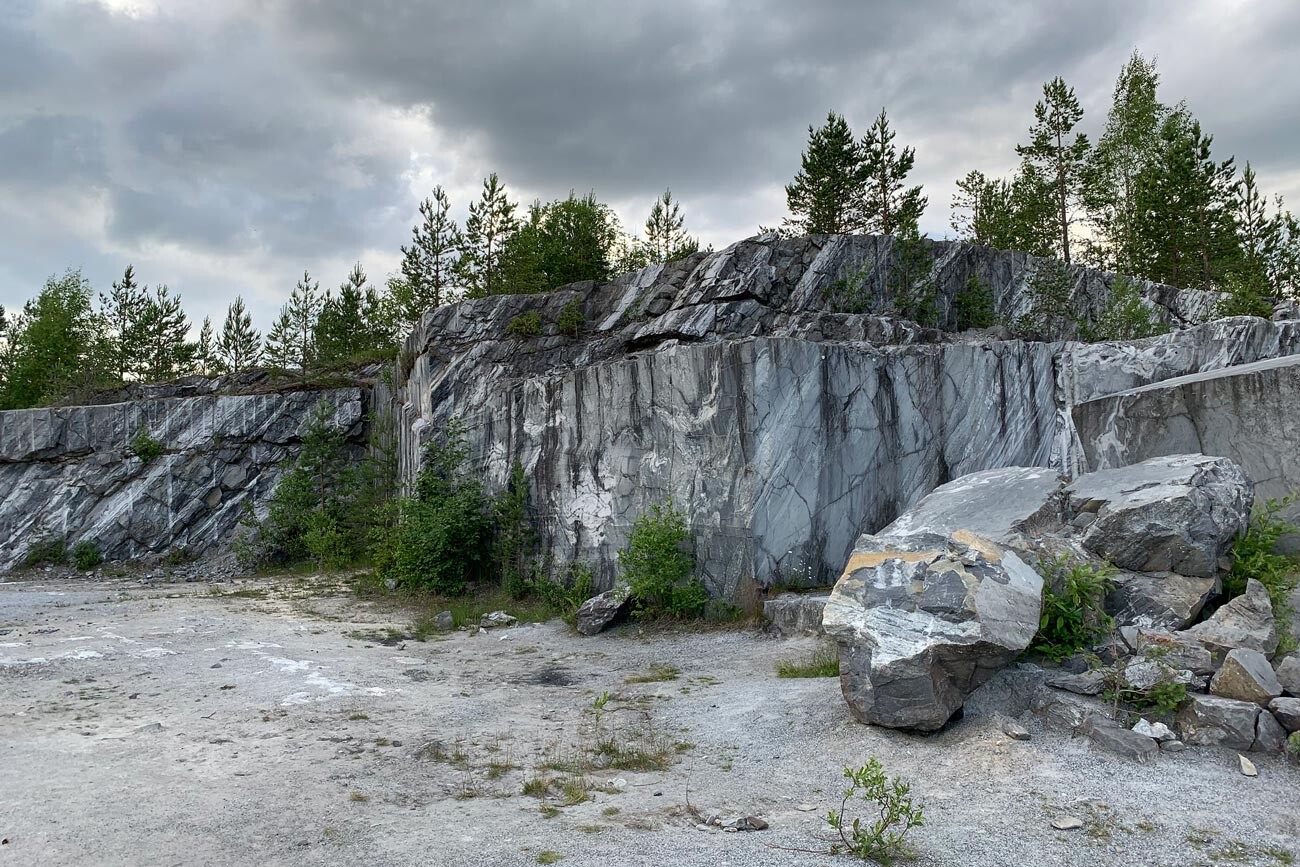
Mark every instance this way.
x=1161 y=601
x=1246 y=675
x=1083 y=683
x=782 y=430
x=1208 y=720
x=922 y=621
x=994 y=504
x=1246 y=621
x=1246 y=413
x=69 y=472
x=1270 y=736
x=1288 y=673
x=600 y=610
x=1114 y=738
x=1287 y=712
x=1177 y=513
x=1175 y=651
x=795 y=613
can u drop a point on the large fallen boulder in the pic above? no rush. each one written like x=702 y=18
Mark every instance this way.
x=1209 y=720
x=1170 y=514
x=1246 y=676
x=923 y=620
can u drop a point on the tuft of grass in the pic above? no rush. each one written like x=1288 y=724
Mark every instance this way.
x=824 y=662
x=537 y=786
x=358 y=796
x=658 y=673
x=574 y=790
x=548 y=857
x=610 y=811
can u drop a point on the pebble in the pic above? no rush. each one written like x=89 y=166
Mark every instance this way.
x=805 y=808
x=1067 y=823
x=1247 y=767
x=1014 y=730
x=1173 y=746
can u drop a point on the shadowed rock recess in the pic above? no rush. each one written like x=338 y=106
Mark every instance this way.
x=782 y=430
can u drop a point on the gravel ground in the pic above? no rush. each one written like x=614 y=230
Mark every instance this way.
x=162 y=725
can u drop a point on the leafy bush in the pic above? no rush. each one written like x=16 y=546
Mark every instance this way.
x=1243 y=296
x=47 y=552
x=973 y=307
x=1253 y=556
x=911 y=285
x=324 y=506
x=880 y=838
x=1073 y=617
x=86 y=556
x=1293 y=745
x=145 y=447
x=1051 y=311
x=571 y=318
x=1163 y=698
x=1125 y=317
x=525 y=325
x=658 y=567
x=515 y=538
x=850 y=293
x=442 y=538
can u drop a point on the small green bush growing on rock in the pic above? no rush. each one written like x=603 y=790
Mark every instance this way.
x=1073 y=617
x=1051 y=313
x=880 y=838
x=1243 y=296
x=571 y=318
x=86 y=556
x=850 y=293
x=1254 y=556
x=46 y=552
x=145 y=447
x=525 y=325
x=659 y=568
x=973 y=306
x=1293 y=746
x=1125 y=317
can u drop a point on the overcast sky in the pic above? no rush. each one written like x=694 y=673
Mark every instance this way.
x=222 y=146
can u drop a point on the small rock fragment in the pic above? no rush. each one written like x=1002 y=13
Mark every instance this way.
x=1172 y=746
x=1247 y=767
x=496 y=618
x=443 y=620
x=1067 y=823
x=805 y=808
x=1014 y=730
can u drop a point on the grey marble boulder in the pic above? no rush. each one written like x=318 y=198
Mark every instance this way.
x=1175 y=651
x=1288 y=673
x=1246 y=675
x=922 y=621
x=1246 y=621
x=1114 y=738
x=1287 y=712
x=600 y=610
x=1160 y=601
x=1208 y=720
x=1178 y=513
x=1270 y=735
x=792 y=614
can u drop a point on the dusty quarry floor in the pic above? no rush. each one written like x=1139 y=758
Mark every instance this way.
x=283 y=725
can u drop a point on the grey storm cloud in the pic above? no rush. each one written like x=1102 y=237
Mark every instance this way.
x=223 y=147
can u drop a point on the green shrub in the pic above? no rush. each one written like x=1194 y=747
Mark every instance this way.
x=323 y=507
x=1051 y=311
x=1073 y=617
x=912 y=290
x=850 y=293
x=891 y=813
x=47 y=552
x=1243 y=296
x=1125 y=317
x=525 y=325
x=515 y=538
x=1253 y=556
x=145 y=447
x=973 y=307
x=1163 y=698
x=571 y=318
x=442 y=538
x=1293 y=745
x=86 y=556
x=659 y=568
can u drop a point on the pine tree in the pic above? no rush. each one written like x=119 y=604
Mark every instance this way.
x=1056 y=157
x=825 y=196
x=304 y=308
x=491 y=223
x=205 y=350
x=240 y=345
x=1258 y=232
x=887 y=208
x=282 y=343
x=349 y=326
x=122 y=310
x=665 y=233
x=165 y=350
x=429 y=264
x=1127 y=147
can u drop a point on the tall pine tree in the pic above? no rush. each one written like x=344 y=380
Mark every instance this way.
x=1056 y=156
x=122 y=309
x=887 y=207
x=491 y=223
x=665 y=231
x=429 y=264
x=826 y=195
x=240 y=345
x=165 y=350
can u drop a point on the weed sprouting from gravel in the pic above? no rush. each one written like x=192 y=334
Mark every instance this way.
x=824 y=662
